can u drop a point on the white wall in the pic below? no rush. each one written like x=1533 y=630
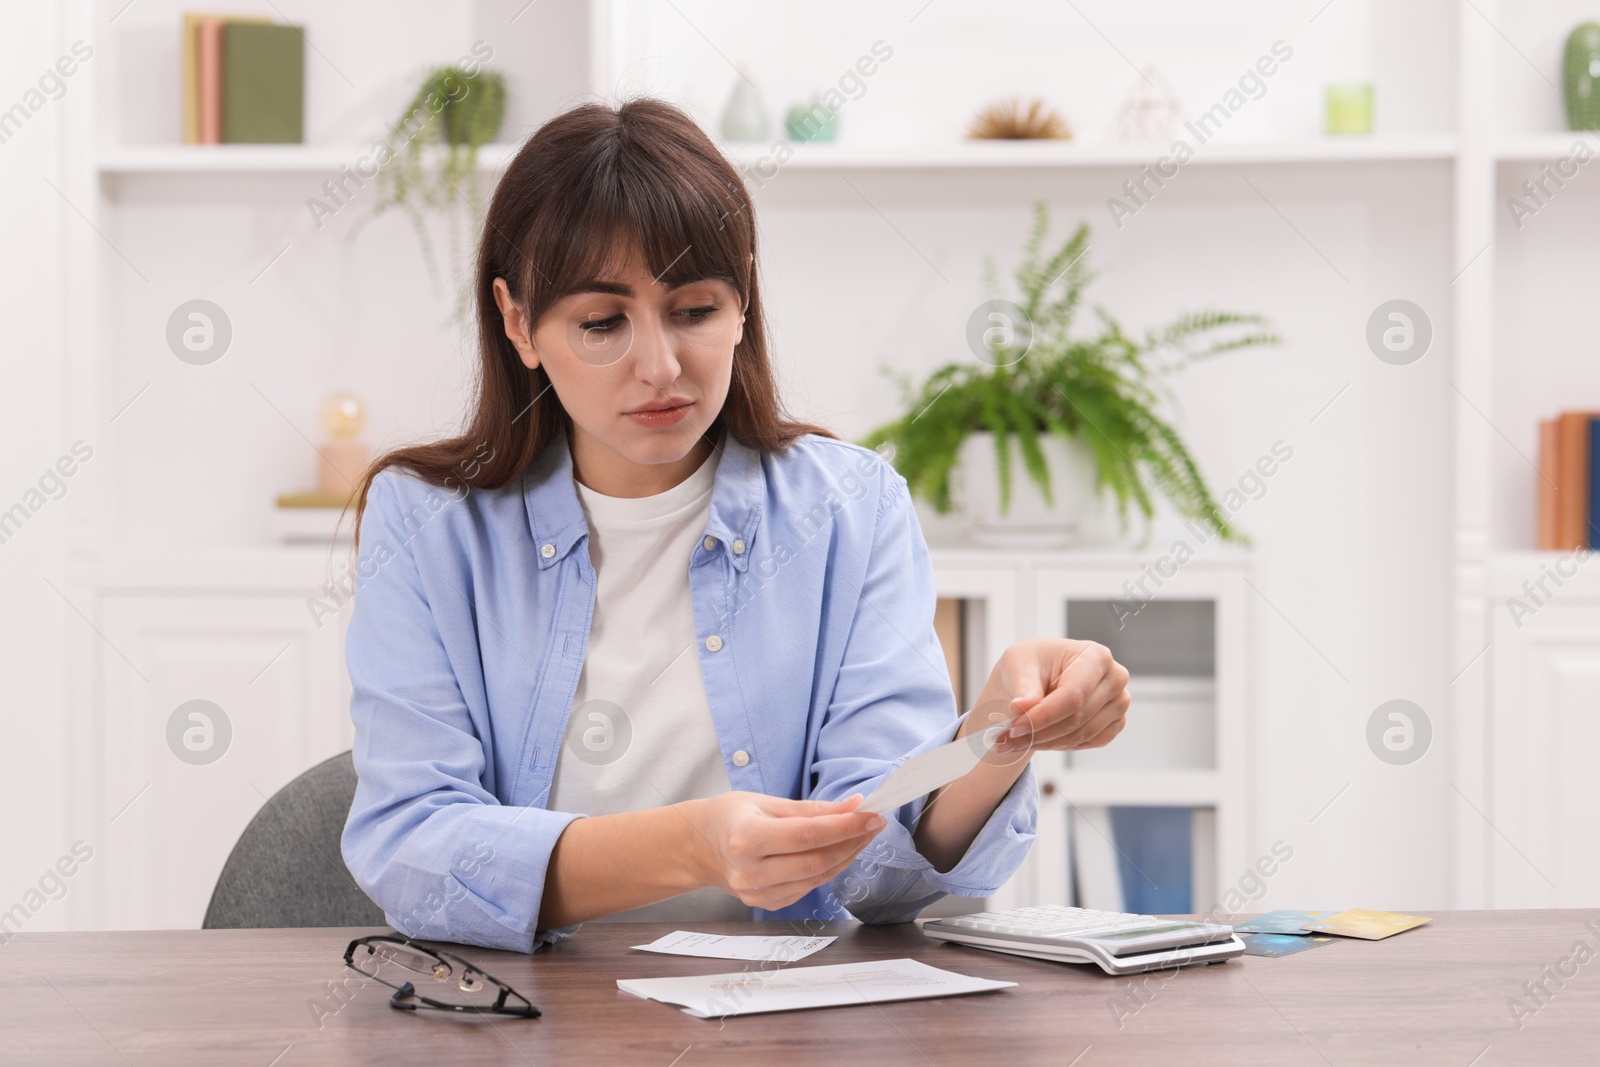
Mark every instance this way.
x=35 y=307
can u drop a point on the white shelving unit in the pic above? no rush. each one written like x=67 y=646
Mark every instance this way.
x=1526 y=690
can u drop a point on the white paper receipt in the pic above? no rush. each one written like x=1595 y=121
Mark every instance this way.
x=728 y=947
x=711 y=996
x=921 y=775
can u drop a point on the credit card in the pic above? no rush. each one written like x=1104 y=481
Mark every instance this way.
x=1365 y=924
x=1281 y=922
x=1280 y=944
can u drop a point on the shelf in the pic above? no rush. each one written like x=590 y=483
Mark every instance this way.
x=1111 y=558
x=1172 y=788
x=257 y=158
x=1579 y=575
x=1543 y=147
x=999 y=155
x=1009 y=155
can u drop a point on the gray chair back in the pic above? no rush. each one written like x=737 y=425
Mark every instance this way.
x=287 y=868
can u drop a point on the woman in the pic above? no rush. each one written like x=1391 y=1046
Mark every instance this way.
x=635 y=644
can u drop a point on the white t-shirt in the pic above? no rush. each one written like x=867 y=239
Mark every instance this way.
x=640 y=734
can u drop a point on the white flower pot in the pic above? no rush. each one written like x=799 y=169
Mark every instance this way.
x=1029 y=522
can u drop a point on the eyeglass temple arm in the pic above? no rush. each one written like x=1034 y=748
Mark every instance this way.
x=408 y=991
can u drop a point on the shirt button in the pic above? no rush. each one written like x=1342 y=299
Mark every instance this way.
x=714 y=643
x=738 y=548
x=547 y=551
x=740 y=758
x=710 y=543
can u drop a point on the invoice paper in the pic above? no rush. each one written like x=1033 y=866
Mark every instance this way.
x=921 y=775
x=731 y=947
x=712 y=996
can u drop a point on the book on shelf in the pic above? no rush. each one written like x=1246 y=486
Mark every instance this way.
x=313 y=500
x=243 y=80
x=1155 y=847
x=209 y=87
x=1569 y=499
x=312 y=518
x=947 y=624
x=1594 y=484
x=1549 y=509
x=1134 y=858
x=263 y=84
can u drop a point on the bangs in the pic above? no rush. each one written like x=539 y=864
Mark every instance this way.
x=684 y=227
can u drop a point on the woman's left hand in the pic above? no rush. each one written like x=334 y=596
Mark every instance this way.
x=1062 y=694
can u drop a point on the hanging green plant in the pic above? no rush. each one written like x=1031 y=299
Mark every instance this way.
x=435 y=144
x=1101 y=389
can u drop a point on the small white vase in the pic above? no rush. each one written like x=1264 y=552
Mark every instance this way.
x=744 y=117
x=1029 y=522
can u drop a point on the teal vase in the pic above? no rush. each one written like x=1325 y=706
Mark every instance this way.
x=811 y=122
x=1580 y=77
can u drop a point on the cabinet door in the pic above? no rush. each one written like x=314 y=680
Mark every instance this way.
x=174 y=799
x=1543 y=737
x=1184 y=642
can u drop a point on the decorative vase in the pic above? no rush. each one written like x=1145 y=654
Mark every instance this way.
x=814 y=121
x=745 y=117
x=1030 y=522
x=1580 y=77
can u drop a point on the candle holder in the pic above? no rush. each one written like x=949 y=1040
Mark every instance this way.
x=1349 y=108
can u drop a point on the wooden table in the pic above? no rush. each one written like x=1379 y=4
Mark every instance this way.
x=1435 y=995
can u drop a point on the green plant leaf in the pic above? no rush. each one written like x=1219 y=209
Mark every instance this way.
x=434 y=144
x=1104 y=388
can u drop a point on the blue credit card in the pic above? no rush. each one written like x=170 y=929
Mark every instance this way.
x=1280 y=944
x=1281 y=922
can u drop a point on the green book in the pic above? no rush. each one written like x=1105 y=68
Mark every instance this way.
x=263 y=84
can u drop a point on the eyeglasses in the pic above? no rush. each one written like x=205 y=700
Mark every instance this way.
x=372 y=956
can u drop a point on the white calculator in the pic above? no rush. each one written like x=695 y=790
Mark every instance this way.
x=1121 y=943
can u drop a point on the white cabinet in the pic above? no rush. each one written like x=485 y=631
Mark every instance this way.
x=169 y=808
x=1538 y=819
x=1184 y=639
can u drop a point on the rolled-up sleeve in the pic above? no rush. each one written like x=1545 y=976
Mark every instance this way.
x=437 y=851
x=892 y=701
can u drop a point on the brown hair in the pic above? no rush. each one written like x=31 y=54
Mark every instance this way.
x=585 y=186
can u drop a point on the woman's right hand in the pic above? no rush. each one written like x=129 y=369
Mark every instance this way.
x=769 y=851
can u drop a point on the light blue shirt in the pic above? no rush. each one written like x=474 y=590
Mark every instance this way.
x=813 y=601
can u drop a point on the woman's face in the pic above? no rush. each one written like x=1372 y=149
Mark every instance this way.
x=642 y=371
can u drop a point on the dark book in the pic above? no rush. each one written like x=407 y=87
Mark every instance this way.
x=1593 y=540
x=263 y=84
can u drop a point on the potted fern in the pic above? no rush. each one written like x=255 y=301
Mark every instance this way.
x=1081 y=411
x=435 y=142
